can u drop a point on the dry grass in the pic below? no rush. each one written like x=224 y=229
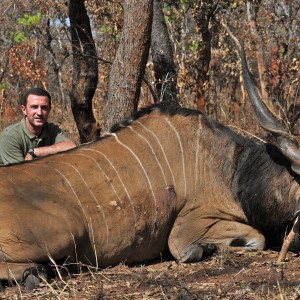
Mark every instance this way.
x=239 y=275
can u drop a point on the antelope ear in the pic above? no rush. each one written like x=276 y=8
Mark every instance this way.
x=296 y=169
x=286 y=142
x=289 y=148
x=292 y=153
x=297 y=208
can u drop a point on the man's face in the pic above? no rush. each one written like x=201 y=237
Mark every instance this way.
x=37 y=111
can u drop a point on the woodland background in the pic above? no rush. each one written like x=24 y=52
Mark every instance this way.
x=102 y=59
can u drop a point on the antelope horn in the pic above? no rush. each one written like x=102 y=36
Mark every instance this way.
x=286 y=142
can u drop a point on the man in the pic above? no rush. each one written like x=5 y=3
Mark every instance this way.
x=33 y=136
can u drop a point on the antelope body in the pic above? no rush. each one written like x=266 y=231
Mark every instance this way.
x=167 y=178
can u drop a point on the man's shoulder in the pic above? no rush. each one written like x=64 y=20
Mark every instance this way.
x=52 y=128
x=55 y=133
x=13 y=129
x=52 y=125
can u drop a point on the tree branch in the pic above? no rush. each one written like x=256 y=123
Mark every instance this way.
x=287 y=242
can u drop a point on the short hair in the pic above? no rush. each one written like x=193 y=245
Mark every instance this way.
x=37 y=91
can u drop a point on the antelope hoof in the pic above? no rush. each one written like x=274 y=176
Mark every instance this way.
x=195 y=253
x=32 y=282
x=32 y=276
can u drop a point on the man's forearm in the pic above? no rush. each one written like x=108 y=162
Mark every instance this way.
x=59 y=147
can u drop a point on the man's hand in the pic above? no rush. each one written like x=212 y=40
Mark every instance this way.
x=28 y=157
x=30 y=153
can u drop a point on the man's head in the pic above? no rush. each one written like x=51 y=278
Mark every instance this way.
x=35 y=91
x=36 y=105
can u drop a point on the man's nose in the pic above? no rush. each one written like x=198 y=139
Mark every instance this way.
x=39 y=111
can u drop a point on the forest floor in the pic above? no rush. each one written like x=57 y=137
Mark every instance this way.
x=239 y=275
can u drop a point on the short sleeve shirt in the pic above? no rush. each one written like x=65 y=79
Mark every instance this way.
x=16 y=140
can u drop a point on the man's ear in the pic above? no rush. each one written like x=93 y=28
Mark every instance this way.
x=23 y=108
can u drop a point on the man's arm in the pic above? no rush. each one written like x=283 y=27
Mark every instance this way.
x=10 y=150
x=47 y=150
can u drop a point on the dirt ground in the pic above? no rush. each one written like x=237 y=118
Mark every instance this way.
x=239 y=275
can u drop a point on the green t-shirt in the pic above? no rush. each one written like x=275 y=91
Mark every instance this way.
x=16 y=140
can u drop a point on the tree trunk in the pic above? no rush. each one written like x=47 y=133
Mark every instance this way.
x=251 y=15
x=85 y=71
x=162 y=56
x=202 y=14
x=128 y=68
x=57 y=69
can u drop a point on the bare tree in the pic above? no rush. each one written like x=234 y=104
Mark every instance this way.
x=203 y=14
x=129 y=64
x=162 y=56
x=85 y=71
x=251 y=15
x=57 y=65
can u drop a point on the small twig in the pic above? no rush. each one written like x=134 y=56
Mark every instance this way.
x=234 y=38
x=290 y=237
x=153 y=93
x=56 y=268
x=247 y=132
x=92 y=56
x=14 y=278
